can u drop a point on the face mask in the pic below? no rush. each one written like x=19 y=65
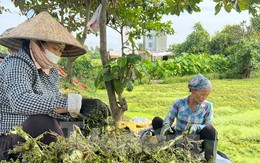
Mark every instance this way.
x=51 y=56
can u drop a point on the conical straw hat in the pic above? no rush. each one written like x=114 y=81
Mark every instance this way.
x=42 y=27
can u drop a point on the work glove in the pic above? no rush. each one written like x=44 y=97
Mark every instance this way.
x=165 y=128
x=94 y=112
x=74 y=104
x=193 y=129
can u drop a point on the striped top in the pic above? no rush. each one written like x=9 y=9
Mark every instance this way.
x=201 y=116
x=26 y=90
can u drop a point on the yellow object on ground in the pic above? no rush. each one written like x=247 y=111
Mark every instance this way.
x=153 y=140
x=134 y=126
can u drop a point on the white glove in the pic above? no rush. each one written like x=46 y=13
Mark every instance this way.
x=165 y=128
x=74 y=104
x=193 y=129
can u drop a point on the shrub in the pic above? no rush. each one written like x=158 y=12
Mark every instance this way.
x=245 y=58
x=186 y=64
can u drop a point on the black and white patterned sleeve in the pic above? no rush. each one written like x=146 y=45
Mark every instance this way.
x=23 y=100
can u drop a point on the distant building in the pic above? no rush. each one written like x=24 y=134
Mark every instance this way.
x=157 y=46
x=154 y=46
x=155 y=43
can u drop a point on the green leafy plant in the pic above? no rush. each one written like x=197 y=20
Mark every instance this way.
x=186 y=64
x=83 y=69
x=123 y=71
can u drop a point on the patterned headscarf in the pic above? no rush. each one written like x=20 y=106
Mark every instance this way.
x=199 y=82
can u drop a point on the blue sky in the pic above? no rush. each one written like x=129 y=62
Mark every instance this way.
x=182 y=24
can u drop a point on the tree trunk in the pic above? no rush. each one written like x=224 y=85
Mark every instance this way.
x=82 y=40
x=117 y=111
x=85 y=30
x=247 y=73
x=122 y=39
x=70 y=68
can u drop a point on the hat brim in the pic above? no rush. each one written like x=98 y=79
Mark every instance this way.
x=16 y=44
x=45 y=28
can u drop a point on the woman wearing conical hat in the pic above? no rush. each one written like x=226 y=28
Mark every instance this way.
x=29 y=94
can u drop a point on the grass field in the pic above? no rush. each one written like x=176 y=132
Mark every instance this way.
x=236 y=111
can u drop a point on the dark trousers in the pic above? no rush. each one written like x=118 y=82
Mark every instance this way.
x=35 y=125
x=208 y=132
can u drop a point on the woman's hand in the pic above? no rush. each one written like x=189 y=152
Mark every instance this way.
x=166 y=128
x=193 y=129
x=60 y=110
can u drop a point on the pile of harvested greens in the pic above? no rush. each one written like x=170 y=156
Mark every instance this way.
x=112 y=146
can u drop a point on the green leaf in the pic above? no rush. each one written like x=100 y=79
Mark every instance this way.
x=78 y=37
x=218 y=8
x=189 y=9
x=108 y=76
x=122 y=61
x=99 y=79
x=228 y=8
x=119 y=86
x=133 y=58
x=196 y=8
x=129 y=85
x=137 y=73
x=131 y=40
x=237 y=7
